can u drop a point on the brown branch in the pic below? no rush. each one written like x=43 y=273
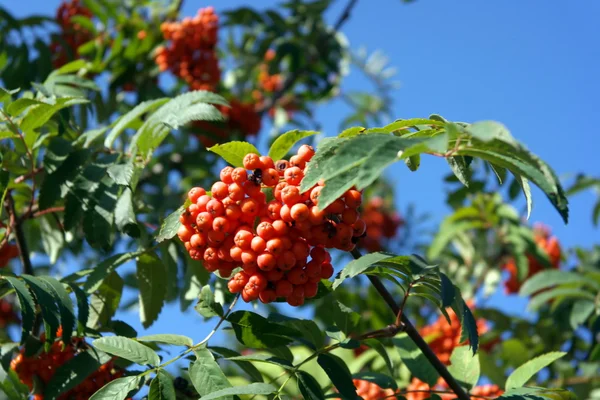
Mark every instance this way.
x=28 y=175
x=19 y=235
x=412 y=332
x=291 y=80
x=39 y=213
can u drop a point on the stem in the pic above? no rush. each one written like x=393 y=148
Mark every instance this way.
x=15 y=225
x=412 y=332
x=291 y=80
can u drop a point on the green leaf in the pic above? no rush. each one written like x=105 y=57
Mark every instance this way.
x=73 y=66
x=381 y=380
x=40 y=114
x=170 y=225
x=311 y=333
x=246 y=366
x=467 y=321
x=448 y=291
x=415 y=360
x=234 y=152
x=128 y=349
x=128 y=119
x=536 y=393
x=524 y=183
x=125 y=219
x=117 y=389
x=83 y=308
x=207 y=306
x=26 y=305
x=490 y=130
x=460 y=168
x=551 y=277
x=121 y=174
x=105 y=301
x=345 y=319
x=162 y=387
x=251 y=389
x=65 y=307
x=338 y=373
x=464 y=366
x=376 y=345
x=264 y=358
x=47 y=303
x=102 y=270
x=74 y=372
x=309 y=387
x=284 y=143
x=177 y=340
x=52 y=237
x=18 y=106
x=556 y=293
x=357 y=267
x=257 y=332
x=196 y=112
x=525 y=372
x=206 y=375
x=581 y=311
x=151 y=275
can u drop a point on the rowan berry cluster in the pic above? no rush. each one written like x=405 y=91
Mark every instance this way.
x=44 y=365
x=444 y=337
x=418 y=390
x=549 y=244
x=267 y=82
x=72 y=34
x=271 y=240
x=382 y=224
x=371 y=391
x=8 y=314
x=190 y=53
x=7 y=253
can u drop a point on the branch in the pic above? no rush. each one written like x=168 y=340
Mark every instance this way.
x=415 y=336
x=16 y=227
x=291 y=80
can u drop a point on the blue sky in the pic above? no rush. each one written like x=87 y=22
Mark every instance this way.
x=530 y=65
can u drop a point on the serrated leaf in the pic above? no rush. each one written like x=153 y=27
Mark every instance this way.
x=83 y=311
x=284 y=143
x=345 y=318
x=105 y=301
x=263 y=358
x=47 y=303
x=207 y=306
x=161 y=387
x=376 y=345
x=460 y=168
x=121 y=174
x=338 y=373
x=73 y=372
x=309 y=387
x=520 y=376
x=65 y=307
x=311 y=333
x=52 y=237
x=128 y=349
x=580 y=312
x=524 y=183
x=196 y=112
x=250 y=389
x=177 y=340
x=40 y=114
x=558 y=293
x=151 y=275
x=125 y=218
x=26 y=305
x=117 y=389
x=448 y=291
x=246 y=366
x=381 y=380
x=170 y=226
x=467 y=321
x=206 y=375
x=102 y=270
x=234 y=152
x=415 y=360
x=548 y=278
x=357 y=267
x=464 y=366
x=257 y=332
x=130 y=117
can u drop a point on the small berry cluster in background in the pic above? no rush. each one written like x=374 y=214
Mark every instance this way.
x=371 y=391
x=271 y=240
x=382 y=224
x=43 y=365
x=8 y=252
x=72 y=34
x=546 y=242
x=418 y=390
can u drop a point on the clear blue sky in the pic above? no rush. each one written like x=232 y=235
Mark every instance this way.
x=529 y=64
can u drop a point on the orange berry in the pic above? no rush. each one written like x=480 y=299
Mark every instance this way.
x=275 y=246
x=266 y=261
x=250 y=207
x=310 y=289
x=283 y=288
x=219 y=190
x=326 y=270
x=195 y=193
x=270 y=177
x=306 y=152
x=293 y=175
x=225 y=175
x=252 y=161
x=239 y=175
x=266 y=230
x=299 y=212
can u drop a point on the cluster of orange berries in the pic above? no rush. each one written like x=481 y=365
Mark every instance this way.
x=418 y=390
x=382 y=224
x=241 y=117
x=8 y=252
x=371 y=391
x=447 y=336
x=44 y=365
x=72 y=34
x=191 y=53
x=551 y=247
x=267 y=82
x=271 y=240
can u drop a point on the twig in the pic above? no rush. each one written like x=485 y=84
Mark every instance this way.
x=38 y=213
x=20 y=236
x=28 y=175
x=291 y=80
x=412 y=332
